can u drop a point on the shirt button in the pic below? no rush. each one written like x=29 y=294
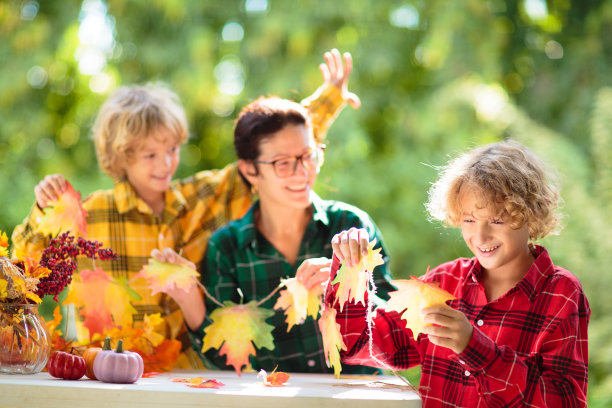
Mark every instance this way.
x=473 y=279
x=461 y=362
x=467 y=373
x=479 y=322
x=311 y=363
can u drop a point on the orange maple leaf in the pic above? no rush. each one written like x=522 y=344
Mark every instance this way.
x=65 y=214
x=413 y=295
x=101 y=300
x=353 y=280
x=163 y=357
x=58 y=342
x=332 y=339
x=275 y=379
x=234 y=331
x=163 y=276
x=298 y=302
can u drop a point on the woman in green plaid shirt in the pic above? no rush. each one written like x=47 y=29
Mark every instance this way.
x=286 y=233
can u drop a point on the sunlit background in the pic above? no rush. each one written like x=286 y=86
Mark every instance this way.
x=435 y=78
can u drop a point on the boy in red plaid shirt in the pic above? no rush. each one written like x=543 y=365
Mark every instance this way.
x=516 y=334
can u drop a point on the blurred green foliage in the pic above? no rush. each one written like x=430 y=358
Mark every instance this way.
x=435 y=78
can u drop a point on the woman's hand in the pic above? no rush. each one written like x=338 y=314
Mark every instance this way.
x=49 y=189
x=190 y=299
x=314 y=272
x=451 y=329
x=350 y=245
x=336 y=73
x=168 y=255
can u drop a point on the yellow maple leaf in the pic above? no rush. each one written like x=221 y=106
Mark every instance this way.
x=413 y=295
x=3 y=290
x=298 y=302
x=65 y=214
x=3 y=244
x=163 y=276
x=150 y=323
x=101 y=301
x=234 y=331
x=332 y=339
x=353 y=280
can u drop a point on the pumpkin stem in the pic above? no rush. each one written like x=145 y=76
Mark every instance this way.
x=106 y=345
x=120 y=346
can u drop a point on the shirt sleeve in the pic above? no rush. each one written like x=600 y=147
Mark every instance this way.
x=26 y=236
x=391 y=347
x=324 y=105
x=555 y=376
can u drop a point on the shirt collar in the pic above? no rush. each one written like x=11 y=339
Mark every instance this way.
x=248 y=232
x=535 y=278
x=127 y=200
x=533 y=282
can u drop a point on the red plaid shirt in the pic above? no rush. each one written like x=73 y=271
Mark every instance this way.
x=528 y=348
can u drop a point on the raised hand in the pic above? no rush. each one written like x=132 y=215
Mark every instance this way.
x=49 y=189
x=350 y=245
x=337 y=73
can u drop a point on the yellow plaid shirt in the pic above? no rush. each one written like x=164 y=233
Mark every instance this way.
x=195 y=207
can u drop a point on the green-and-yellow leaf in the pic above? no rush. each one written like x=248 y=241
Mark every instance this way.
x=163 y=276
x=353 y=280
x=298 y=302
x=234 y=331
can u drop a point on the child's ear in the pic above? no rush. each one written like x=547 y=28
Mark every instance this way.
x=248 y=170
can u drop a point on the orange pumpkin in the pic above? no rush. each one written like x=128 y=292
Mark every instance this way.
x=90 y=356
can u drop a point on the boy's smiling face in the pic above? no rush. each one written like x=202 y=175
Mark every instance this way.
x=501 y=250
x=153 y=165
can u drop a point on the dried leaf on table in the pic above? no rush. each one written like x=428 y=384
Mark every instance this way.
x=234 y=331
x=65 y=214
x=275 y=379
x=207 y=384
x=411 y=296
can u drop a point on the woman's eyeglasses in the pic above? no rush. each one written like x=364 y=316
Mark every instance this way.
x=286 y=167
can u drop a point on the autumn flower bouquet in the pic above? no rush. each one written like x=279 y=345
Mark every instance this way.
x=24 y=281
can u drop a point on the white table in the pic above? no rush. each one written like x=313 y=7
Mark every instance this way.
x=302 y=390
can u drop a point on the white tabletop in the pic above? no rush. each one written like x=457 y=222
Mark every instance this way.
x=305 y=390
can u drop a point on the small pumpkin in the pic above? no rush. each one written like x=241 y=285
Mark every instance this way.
x=67 y=366
x=90 y=355
x=119 y=366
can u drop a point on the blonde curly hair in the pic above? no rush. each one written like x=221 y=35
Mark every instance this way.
x=510 y=178
x=128 y=117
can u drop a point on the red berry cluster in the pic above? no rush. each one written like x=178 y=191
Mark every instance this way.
x=60 y=258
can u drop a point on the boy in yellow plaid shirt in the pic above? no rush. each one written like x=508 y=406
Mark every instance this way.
x=138 y=134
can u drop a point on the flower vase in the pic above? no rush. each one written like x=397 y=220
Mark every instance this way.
x=24 y=339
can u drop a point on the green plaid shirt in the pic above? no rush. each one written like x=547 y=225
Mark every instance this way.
x=238 y=256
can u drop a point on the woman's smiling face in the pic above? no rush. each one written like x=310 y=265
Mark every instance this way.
x=294 y=190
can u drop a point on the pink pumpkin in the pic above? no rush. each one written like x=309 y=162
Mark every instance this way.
x=118 y=366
